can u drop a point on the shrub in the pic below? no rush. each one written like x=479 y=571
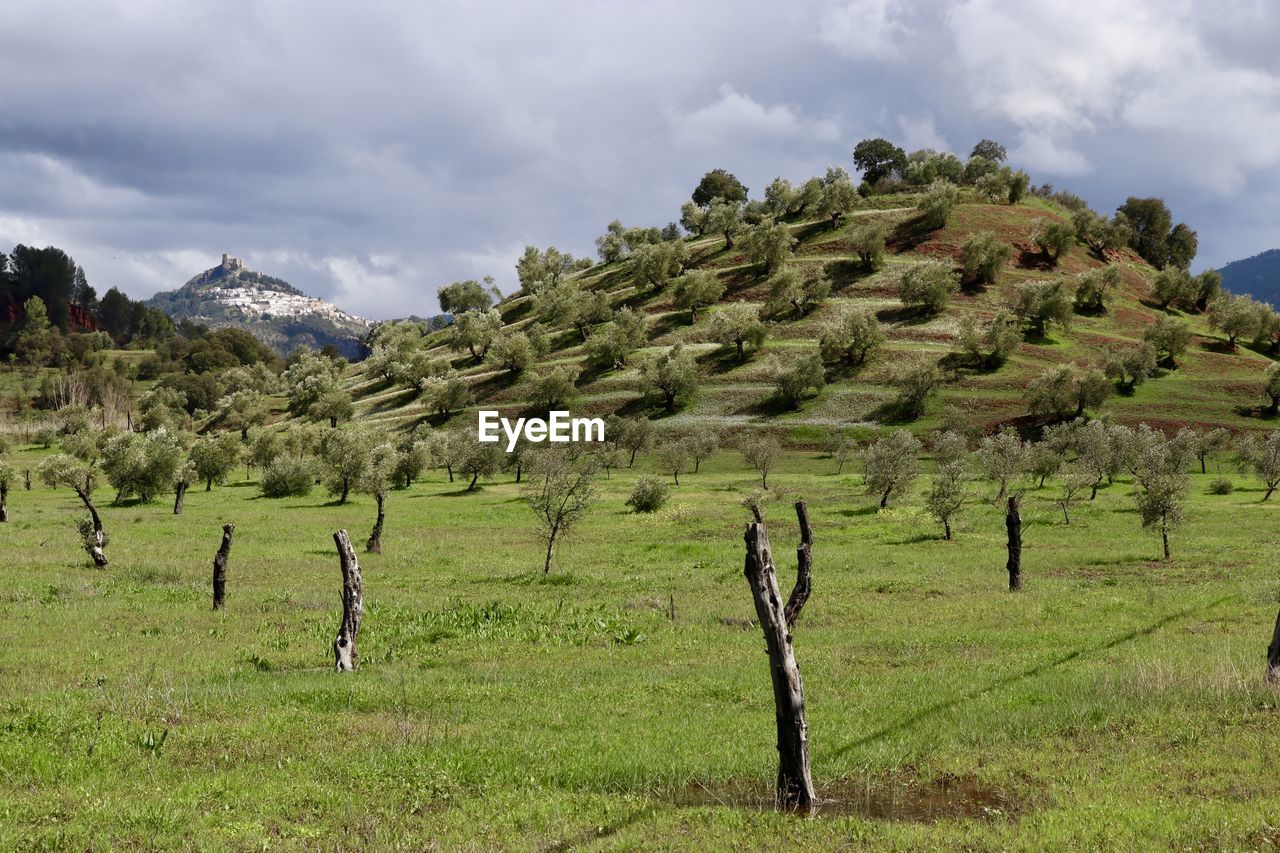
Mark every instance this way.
x=937 y=203
x=982 y=255
x=1221 y=486
x=287 y=477
x=649 y=494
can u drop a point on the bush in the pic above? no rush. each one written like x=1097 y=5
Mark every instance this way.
x=287 y=477
x=649 y=494
x=1221 y=486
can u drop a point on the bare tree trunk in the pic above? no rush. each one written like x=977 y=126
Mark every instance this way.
x=4 y=502
x=795 y=784
x=551 y=549
x=1013 y=526
x=804 y=566
x=1273 y=655
x=96 y=541
x=179 y=496
x=220 y=567
x=344 y=645
x=1164 y=536
x=374 y=545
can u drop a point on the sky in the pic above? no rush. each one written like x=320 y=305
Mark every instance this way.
x=371 y=152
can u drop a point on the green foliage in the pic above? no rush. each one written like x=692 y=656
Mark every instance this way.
x=792 y=292
x=1172 y=285
x=838 y=197
x=1235 y=316
x=866 y=240
x=725 y=217
x=214 y=457
x=470 y=295
x=1053 y=237
x=649 y=494
x=982 y=254
x=928 y=286
x=1169 y=337
x=989 y=150
x=797 y=380
x=612 y=345
x=697 y=289
x=538 y=270
x=762 y=452
x=1093 y=288
x=1131 y=366
x=1041 y=304
x=1099 y=233
x=287 y=477
x=142 y=464
x=738 y=326
x=656 y=264
x=890 y=465
x=553 y=388
x=1153 y=235
x=937 y=204
x=916 y=383
x=850 y=335
x=1066 y=390
x=718 y=184
x=344 y=458
x=877 y=159
x=769 y=245
x=670 y=378
x=512 y=352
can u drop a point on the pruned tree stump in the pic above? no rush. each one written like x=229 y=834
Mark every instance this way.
x=795 y=783
x=1273 y=655
x=1013 y=526
x=344 y=645
x=220 y=567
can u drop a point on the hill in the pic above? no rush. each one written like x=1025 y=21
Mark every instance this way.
x=276 y=312
x=1210 y=384
x=1258 y=276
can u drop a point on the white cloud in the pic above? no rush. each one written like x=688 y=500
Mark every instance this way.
x=866 y=29
x=920 y=131
x=736 y=118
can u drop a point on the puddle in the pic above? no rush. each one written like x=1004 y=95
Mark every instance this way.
x=900 y=798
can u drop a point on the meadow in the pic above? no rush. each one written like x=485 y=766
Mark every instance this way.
x=623 y=701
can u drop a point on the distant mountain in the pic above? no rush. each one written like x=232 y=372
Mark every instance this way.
x=276 y=312
x=1258 y=276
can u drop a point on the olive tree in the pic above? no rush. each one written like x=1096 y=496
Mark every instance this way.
x=982 y=254
x=1169 y=337
x=470 y=295
x=769 y=244
x=1131 y=366
x=947 y=493
x=72 y=473
x=839 y=195
x=762 y=452
x=1093 y=288
x=142 y=464
x=850 y=335
x=795 y=381
x=1003 y=458
x=891 y=464
x=1262 y=459
x=344 y=459
x=1053 y=237
x=791 y=291
x=937 y=204
x=928 y=286
x=1041 y=304
x=671 y=378
x=738 y=326
x=377 y=478
x=866 y=240
x=474 y=331
x=560 y=491
x=1234 y=316
x=214 y=457
x=697 y=289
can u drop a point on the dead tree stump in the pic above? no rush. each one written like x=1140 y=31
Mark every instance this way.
x=4 y=500
x=220 y=567
x=179 y=496
x=795 y=784
x=1013 y=525
x=344 y=645
x=1273 y=655
x=26 y=479
x=93 y=536
x=374 y=545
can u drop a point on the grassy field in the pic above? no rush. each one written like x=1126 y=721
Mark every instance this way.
x=1116 y=702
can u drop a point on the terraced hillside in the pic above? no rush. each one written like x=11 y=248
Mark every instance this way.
x=1211 y=384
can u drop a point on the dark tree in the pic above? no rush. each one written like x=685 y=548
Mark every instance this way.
x=991 y=150
x=719 y=184
x=1182 y=244
x=878 y=158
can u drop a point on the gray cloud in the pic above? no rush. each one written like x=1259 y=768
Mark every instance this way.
x=371 y=153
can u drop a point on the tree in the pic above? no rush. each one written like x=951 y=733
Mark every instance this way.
x=768 y=244
x=1044 y=460
x=478 y=460
x=1073 y=482
x=762 y=452
x=413 y=457
x=1093 y=288
x=1065 y=391
x=1018 y=183
x=999 y=337
x=560 y=491
x=1206 y=286
x=1153 y=235
x=553 y=388
x=512 y=352
x=850 y=335
x=333 y=406
x=1181 y=246
x=671 y=377
x=8 y=477
x=1098 y=232
x=67 y=471
x=378 y=477
x=947 y=494
x=474 y=331
x=632 y=434
x=1261 y=458
x=242 y=411
x=916 y=384
x=1040 y=304
x=1234 y=316
x=703 y=441
x=470 y=295
x=725 y=217
x=1213 y=441
x=1169 y=337
x=1271 y=388
x=928 y=286
x=991 y=184
x=213 y=458
x=990 y=150
x=937 y=204
x=839 y=196
x=1162 y=500
x=36 y=341
x=142 y=464
x=1053 y=237
x=673 y=457
x=877 y=159
x=537 y=270
x=866 y=240
x=344 y=459
x=1171 y=285
x=1003 y=457
x=793 y=292
x=890 y=465
x=793 y=383
x=718 y=184
x=982 y=254
x=264 y=446
x=697 y=289
x=738 y=325
x=1130 y=367
x=613 y=344
x=694 y=218
x=445 y=394
x=657 y=263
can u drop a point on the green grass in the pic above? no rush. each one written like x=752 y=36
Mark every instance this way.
x=1116 y=702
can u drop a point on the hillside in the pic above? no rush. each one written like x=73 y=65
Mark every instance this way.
x=1258 y=276
x=1211 y=385
x=278 y=313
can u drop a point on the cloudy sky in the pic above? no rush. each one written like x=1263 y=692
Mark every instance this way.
x=370 y=152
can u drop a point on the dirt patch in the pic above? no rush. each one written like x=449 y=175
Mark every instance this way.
x=902 y=797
